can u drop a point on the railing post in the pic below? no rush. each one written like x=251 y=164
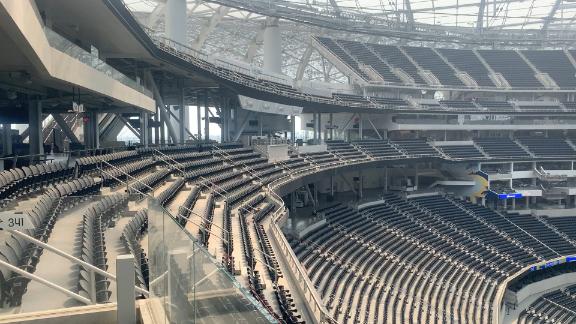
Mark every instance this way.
x=125 y=289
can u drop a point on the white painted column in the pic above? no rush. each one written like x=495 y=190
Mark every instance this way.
x=176 y=20
x=272 y=47
x=125 y=289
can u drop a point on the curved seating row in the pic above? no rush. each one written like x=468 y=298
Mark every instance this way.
x=110 y=176
x=166 y=196
x=96 y=219
x=131 y=237
x=150 y=181
x=18 y=181
x=43 y=215
x=89 y=163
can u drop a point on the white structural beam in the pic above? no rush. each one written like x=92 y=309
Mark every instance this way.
x=335 y=6
x=216 y=18
x=409 y=14
x=480 y=17
x=551 y=14
x=304 y=62
x=272 y=46
x=65 y=128
x=255 y=44
x=155 y=15
x=175 y=20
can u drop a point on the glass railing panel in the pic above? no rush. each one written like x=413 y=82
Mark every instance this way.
x=188 y=282
x=64 y=45
x=59 y=243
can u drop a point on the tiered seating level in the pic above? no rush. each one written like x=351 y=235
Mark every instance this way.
x=429 y=60
x=507 y=62
x=416 y=147
x=462 y=151
x=333 y=47
x=502 y=148
x=548 y=147
x=379 y=149
x=556 y=64
x=467 y=61
x=555 y=307
x=365 y=56
x=395 y=58
x=422 y=260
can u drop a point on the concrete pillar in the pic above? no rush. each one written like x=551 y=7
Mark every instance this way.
x=6 y=140
x=416 y=178
x=360 y=128
x=319 y=125
x=157 y=128
x=360 y=184
x=176 y=20
x=162 y=127
x=125 y=292
x=293 y=131
x=199 y=119
x=331 y=127
x=91 y=130
x=144 y=130
x=36 y=140
x=206 y=117
x=293 y=210
x=272 y=47
x=314 y=121
x=181 y=117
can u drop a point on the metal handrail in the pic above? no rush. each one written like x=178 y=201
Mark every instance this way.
x=151 y=194
x=171 y=160
x=70 y=258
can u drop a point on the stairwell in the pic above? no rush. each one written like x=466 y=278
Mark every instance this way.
x=498 y=79
x=544 y=78
x=427 y=75
x=525 y=148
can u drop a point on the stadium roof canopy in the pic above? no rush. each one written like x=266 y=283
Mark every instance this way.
x=234 y=28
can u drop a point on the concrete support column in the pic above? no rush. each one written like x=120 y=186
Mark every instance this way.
x=199 y=121
x=176 y=20
x=272 y=47
x=319 y=125
x=360 y=128
x=360 y=184
x=181 y=117
x=416 y=178
x=157 y=128
x=293 y=131
x=332 y=186
x=314 y=124
x=144 y=130
x=6 y=140
x=126 y=311
x=293 y=210
x=35 y=128
x=91 y=130
x=331 y=127
x=206 y=117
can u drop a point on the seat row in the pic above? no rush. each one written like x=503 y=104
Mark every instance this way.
x=89 y=163
x=151 y=181
x=132 y=234
x=18 y=181
x=95 y=220
x=166 y=196
x=111 y=177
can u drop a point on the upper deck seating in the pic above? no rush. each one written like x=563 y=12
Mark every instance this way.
x=466 y=61
x=429 y=60
x=511 y=65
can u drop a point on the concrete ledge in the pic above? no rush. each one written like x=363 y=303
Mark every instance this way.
x=93 y=314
